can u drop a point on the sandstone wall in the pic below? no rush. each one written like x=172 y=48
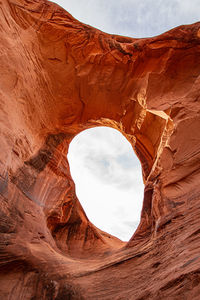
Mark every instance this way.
x=57 y=78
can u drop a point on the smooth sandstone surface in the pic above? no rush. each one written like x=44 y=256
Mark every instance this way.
x=57 y=78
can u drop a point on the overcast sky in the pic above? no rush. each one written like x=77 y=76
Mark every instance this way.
x=108 y=180
x=104 y=167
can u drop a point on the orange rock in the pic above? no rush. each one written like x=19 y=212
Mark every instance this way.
x=57 y=78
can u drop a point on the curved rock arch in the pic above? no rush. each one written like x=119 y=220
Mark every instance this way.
x=59 y=77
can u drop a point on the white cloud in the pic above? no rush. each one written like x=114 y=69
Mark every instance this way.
x=108 y=180
x=134 y=18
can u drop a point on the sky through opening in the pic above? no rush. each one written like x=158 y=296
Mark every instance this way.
x=108 y=179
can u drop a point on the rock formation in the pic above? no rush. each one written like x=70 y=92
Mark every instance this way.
x=57 y=78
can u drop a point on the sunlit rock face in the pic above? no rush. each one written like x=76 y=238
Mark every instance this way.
x=59 y=77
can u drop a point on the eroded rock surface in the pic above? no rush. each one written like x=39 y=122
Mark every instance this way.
x=57 y=78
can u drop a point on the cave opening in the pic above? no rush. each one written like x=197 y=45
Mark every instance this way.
x=108 y=180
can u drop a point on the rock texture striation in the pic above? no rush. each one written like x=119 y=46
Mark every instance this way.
x=57 y=78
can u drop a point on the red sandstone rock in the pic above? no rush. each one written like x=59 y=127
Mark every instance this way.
x=57 y=78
